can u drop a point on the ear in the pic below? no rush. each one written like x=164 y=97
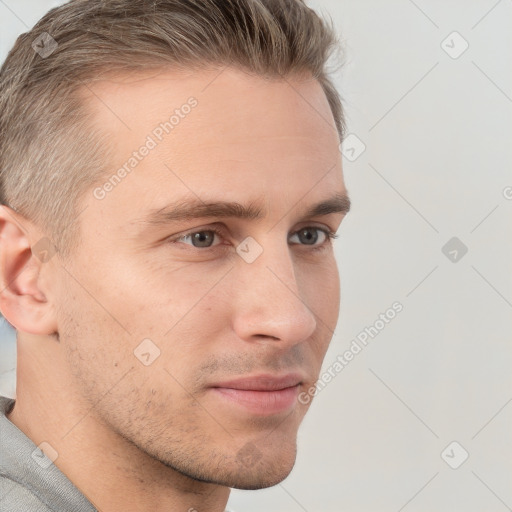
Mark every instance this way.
x=23 y=255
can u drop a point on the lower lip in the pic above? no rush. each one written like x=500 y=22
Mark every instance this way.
x=261 y=402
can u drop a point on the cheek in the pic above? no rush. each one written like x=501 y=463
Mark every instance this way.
x=321 y=284
x=95 y=345
x=160 y=294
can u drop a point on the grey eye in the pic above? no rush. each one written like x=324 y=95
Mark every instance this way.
x=201 y=239
x=309 y=236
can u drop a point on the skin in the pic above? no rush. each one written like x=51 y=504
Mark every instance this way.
x=137 y=438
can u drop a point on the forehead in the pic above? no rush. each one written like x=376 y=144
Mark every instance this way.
x=220 y=132
x=131 y=106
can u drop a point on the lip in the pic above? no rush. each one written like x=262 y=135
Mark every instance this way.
x=265 y=382
x=261 y=395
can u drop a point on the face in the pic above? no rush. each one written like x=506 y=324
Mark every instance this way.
x=192 y=327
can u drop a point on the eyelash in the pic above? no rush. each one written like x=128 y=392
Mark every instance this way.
x=331 y=235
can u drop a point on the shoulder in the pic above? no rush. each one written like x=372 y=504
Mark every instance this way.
x=29 y=481
x=14 y=497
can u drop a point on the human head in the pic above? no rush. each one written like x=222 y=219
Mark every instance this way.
x=197 y=320
x=49 y=153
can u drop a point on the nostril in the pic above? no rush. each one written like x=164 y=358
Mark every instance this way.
x=266 y=336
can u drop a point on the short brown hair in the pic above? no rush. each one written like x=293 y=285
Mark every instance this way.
x=49 y=154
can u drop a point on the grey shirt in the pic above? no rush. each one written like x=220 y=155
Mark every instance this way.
x=29 y=481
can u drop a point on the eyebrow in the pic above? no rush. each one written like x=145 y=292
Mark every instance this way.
x=197 y=209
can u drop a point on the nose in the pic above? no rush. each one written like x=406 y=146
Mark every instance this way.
x=269 y=303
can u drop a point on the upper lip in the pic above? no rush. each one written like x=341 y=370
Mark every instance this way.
x=264 y=382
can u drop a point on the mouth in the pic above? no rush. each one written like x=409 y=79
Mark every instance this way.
x=262 y=395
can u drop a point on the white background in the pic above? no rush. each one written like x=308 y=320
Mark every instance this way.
x=437 y=132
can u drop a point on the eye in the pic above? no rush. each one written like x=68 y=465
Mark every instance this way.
x=200 y=239
x=310 y=235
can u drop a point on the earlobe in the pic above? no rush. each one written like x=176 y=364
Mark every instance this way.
x=22 y=301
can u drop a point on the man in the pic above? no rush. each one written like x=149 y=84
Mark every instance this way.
x=171 y=181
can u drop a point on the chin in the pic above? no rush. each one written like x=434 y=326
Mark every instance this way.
x=260 y=480
x=249 y=470
x=259 y=471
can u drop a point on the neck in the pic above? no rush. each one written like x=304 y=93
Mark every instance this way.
x=108 y=469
